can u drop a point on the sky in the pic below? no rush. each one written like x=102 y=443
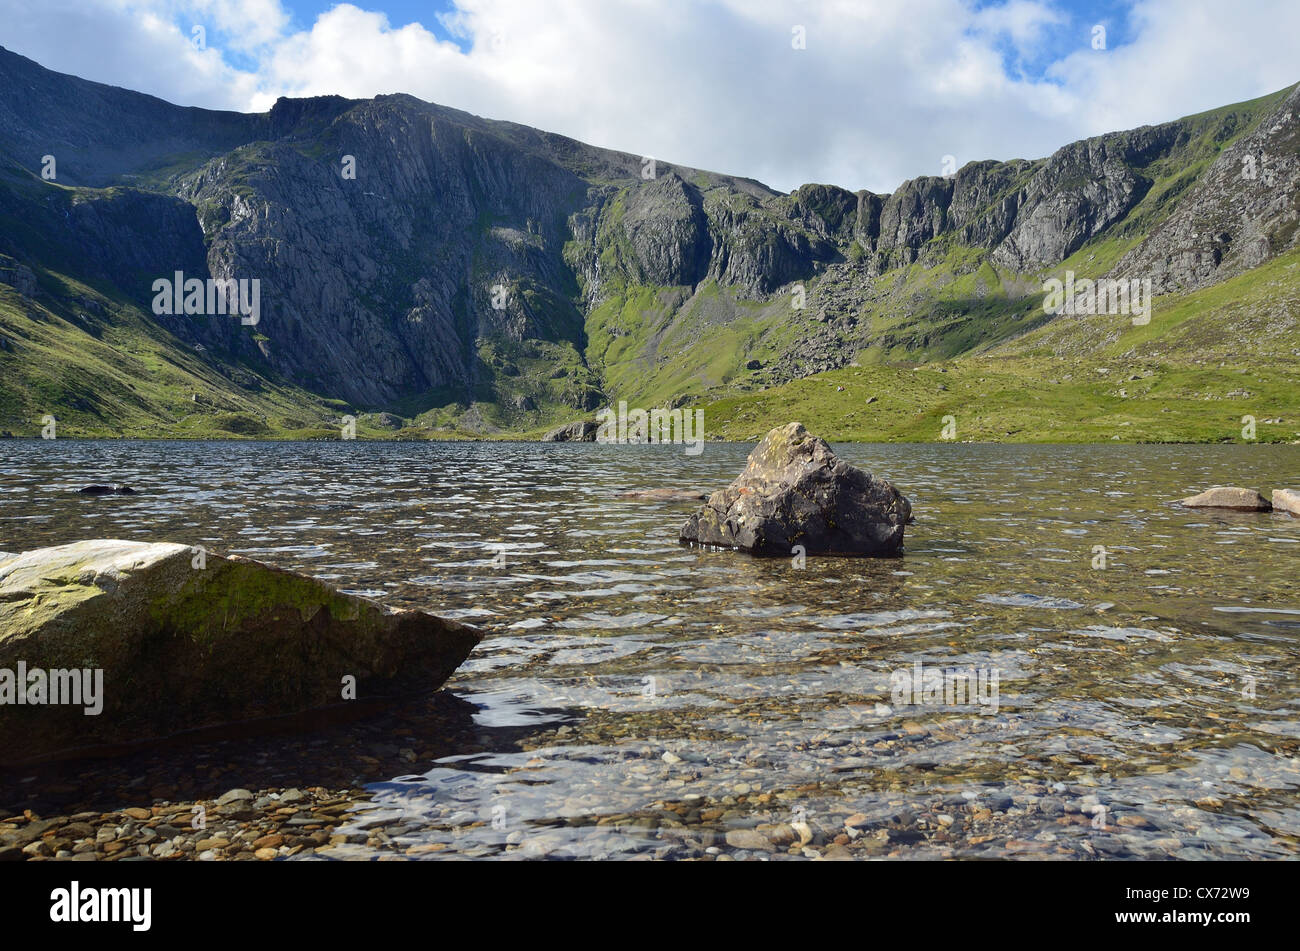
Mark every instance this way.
x=857 y=93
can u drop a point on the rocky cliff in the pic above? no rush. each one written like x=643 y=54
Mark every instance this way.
x=415 y=258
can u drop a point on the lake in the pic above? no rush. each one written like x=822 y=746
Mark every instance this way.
x=1132 y=664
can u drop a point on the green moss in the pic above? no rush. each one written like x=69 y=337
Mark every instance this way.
x=229 y=597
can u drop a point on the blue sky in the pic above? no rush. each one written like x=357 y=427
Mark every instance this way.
x=878 y=92
x=399 y=12
x=1078 y=17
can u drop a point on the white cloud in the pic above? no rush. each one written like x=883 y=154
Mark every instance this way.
x=1022 y=22
x=884 y=90
x=144 y=46
x=248 y=24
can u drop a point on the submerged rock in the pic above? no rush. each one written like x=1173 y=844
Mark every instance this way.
x=108 y=490
x=1228 y=497
x=1287 y=500
x=581 y=431
x=664 y=495
x=144 y=640
x=795 y=491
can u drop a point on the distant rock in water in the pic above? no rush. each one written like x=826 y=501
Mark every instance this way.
x=1228 y=497
x=108 y=490
x=795 y=491
x=664 y=495
x=581 y=431
x=1287 y=500
x=152 y=640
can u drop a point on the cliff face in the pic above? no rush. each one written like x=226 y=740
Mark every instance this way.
x=377 y=287
x=413 y=255
x=1240 y=213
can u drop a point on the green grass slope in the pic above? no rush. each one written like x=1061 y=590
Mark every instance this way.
x=1205 y=361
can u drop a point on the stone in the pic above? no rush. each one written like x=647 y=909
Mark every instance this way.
x=804 y=831
x=749 y=839
x=781 y=834
x=18 y=276
x=1286 y=500
x=664 y=495
x=581 y=431
x=1228 y=497
x=795 y=491
x=165 y=642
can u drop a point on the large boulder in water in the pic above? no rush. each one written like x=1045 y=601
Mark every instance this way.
x=795 y=491
x=186 y=639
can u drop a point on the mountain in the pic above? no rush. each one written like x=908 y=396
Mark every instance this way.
x=434 y=273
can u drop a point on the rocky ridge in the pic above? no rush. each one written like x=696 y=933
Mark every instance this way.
x=415 y=256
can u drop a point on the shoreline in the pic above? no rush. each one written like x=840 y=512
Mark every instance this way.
x=520 y=440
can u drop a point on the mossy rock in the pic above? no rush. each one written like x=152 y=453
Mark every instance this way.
x=187 y=639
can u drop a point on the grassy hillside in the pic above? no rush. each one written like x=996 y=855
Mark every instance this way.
x=661 y=345
x=1206 y=360
x=102 y=368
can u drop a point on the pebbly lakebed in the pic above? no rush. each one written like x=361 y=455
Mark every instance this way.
x=1135 y=663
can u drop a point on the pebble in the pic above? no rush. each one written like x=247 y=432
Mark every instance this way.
x=749 y=839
